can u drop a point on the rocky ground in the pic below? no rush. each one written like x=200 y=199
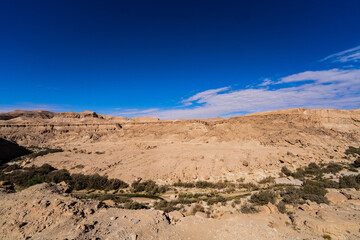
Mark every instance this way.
x=44 y=212
x=237 y=152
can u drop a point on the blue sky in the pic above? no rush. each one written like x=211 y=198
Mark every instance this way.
x=179 y=59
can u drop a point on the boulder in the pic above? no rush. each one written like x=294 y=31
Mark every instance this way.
x=351 y=194
x=335 y=197
x=272 y=207
x=264 y=209
x=175 y=216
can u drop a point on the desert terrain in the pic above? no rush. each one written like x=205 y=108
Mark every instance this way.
x=287 y=174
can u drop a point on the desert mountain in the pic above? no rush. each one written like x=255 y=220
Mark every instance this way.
x=251 y=146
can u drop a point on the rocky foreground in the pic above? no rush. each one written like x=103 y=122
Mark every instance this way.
x=45 y=212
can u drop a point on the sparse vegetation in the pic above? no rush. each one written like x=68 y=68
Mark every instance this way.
x=267 y=180
x=205 y=184
x=44 y=152
x=286 y=171
x=352 y=151
x=26 y=177
x=263 y=197
x=281 y=207
x=351 y=181
x=149 y=187
x=247 y=208
x=197 y=208
x=356 y=163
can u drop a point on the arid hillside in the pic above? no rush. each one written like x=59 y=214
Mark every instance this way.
x=251 y=146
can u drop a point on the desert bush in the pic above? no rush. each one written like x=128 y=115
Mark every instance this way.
x=349 y=181
x=291 y=195
x=134 y=205
x=212 y=201
x=29 y=176
x=12 y=167
x=205 y=184
x=263 y=197
x=313 y=169
x=356 y=163
x=330 y=184
x=352 y=151
x=57 y=176
x=299 y=174
x=44 y=152
x=248 y=186
x=314 y=191
x=80 y=181
x=185 y=185
x=267 y=180
x=333 y=168
x=286 y=171
x=281 y=207
x=166 y=206
x=197 y=208
x=247 y=208
x=149 y=187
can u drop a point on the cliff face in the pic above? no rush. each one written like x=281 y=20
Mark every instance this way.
x=190 y=149
x=267 y=128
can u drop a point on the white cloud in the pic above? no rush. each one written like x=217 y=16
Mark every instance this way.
x=350 y=55
x=334 y=88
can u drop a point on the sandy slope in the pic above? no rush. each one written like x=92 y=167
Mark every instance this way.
x=250 y=146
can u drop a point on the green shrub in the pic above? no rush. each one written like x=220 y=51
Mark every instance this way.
x=33 y=181
x=263 y=197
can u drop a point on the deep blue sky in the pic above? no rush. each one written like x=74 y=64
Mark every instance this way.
x=103 y=55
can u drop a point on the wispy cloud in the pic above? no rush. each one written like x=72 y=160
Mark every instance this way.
x=266 y=82
x=350 y=55
x=334 y=88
